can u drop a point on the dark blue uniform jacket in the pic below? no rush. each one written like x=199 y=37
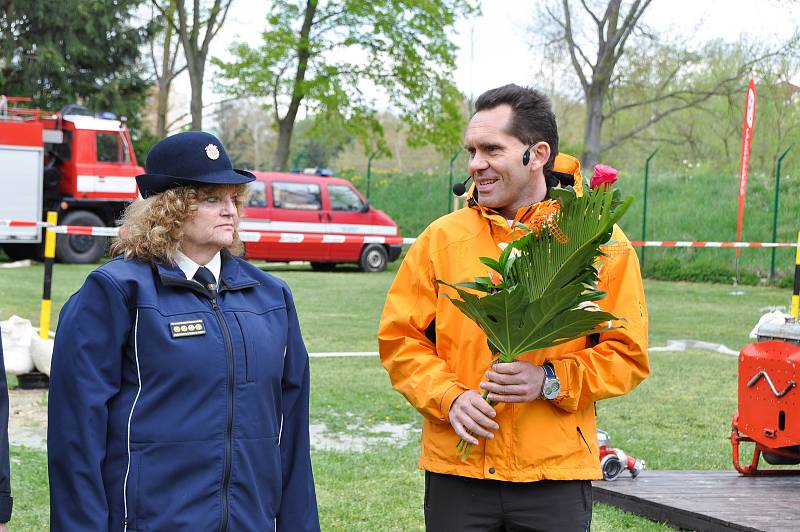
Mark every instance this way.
x=5 y=478
x=173 y=408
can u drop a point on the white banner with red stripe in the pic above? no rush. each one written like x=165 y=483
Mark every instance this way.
x=744 y=163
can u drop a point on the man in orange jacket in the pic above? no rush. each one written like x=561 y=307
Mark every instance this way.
x=536 y=451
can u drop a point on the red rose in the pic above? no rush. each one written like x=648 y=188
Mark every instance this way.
x=603 y=175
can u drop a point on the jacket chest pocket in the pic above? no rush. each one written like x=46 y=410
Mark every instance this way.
x=264 y=337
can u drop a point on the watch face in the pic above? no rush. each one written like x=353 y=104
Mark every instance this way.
x=551 y=388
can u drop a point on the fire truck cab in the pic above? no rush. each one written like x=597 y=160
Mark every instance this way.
x=77 y=163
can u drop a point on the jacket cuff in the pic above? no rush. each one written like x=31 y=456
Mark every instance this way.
x=449 y=397
x=6 y=504
x=568 y=397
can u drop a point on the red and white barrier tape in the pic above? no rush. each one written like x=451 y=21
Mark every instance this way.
x=689 y=244
x=18 y=223
x=318 y=238
x=246 y=236
x=87 y=230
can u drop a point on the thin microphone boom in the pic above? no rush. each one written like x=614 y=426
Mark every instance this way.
x=460 y=188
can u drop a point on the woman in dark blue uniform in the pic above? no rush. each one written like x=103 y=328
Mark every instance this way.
x=5 y=477
x=180 y=382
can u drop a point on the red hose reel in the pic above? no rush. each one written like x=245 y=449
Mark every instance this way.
x=769 y=401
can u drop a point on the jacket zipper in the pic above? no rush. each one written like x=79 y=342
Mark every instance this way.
x=580 y=432
x=226 y=475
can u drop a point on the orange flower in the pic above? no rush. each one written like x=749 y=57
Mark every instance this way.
x=495 y=278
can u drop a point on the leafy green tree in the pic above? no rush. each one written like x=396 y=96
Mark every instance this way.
x=318 y=148
x=73 y=50
x=324 y=56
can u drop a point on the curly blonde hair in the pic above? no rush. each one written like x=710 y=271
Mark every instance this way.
x=152 y=228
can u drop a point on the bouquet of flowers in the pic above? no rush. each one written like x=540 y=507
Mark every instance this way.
x=541 y=291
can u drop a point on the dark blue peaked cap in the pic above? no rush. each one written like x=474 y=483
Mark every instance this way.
x=191 y=158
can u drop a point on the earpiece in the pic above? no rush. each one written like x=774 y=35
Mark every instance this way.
x=526 y=156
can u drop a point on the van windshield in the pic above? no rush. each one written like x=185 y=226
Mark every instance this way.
x=344 y=198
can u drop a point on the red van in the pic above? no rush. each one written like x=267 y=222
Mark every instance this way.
x=300 y=204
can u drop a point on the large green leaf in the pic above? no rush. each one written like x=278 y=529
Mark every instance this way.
x=513 y=325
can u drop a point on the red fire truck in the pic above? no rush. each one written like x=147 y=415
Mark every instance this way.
x=78 y=163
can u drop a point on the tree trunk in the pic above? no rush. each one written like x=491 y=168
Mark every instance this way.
x=285 y=128
x=163 y=107
x=165 y=80
x=286 y=124
x=593 y=131
x=197 y=68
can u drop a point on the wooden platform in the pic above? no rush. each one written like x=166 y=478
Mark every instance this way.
x=707 y=500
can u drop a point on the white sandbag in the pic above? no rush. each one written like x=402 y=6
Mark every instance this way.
x=17 y=333
x=42 y=353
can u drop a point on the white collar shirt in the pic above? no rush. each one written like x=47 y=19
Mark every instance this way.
x=190 y=267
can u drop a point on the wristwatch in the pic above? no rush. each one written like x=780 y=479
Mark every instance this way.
x=551 y=386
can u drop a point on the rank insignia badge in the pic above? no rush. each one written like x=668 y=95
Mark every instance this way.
x=187 y=328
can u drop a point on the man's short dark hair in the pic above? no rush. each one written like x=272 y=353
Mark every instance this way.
x=532 y=118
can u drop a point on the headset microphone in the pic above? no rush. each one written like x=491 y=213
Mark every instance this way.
x=526 y=156
x=460 y=188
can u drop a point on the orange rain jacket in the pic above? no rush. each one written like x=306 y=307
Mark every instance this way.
x=536 y=440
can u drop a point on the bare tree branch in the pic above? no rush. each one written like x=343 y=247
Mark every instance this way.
x=571 y=47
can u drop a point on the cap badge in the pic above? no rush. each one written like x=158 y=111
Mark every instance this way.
x=212 y=152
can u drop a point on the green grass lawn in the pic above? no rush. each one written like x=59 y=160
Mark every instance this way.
x=677 y=419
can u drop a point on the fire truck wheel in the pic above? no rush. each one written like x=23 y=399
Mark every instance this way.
x=323 y=266
x=373 y=258
x=80 y=249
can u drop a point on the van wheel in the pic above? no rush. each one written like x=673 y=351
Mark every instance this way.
x=323 y=266
x=373 y=258
x=80 y=249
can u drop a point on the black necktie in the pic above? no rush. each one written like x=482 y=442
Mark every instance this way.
x=205 y=278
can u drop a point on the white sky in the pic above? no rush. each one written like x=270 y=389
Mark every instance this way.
x=494 y=48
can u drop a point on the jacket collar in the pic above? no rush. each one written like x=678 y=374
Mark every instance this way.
x=533 y=215
x=232 y=275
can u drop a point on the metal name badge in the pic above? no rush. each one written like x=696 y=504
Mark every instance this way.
x=187 y=328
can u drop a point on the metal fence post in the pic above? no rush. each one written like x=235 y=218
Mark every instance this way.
x=775 y=213
x=450 y=183
x=369 y=169
x=644 y=200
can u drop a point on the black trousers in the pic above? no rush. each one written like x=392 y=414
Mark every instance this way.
x=459 y=504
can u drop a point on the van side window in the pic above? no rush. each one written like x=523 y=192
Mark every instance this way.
x=344 y=198
x=257 y=194
x=301 y=196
